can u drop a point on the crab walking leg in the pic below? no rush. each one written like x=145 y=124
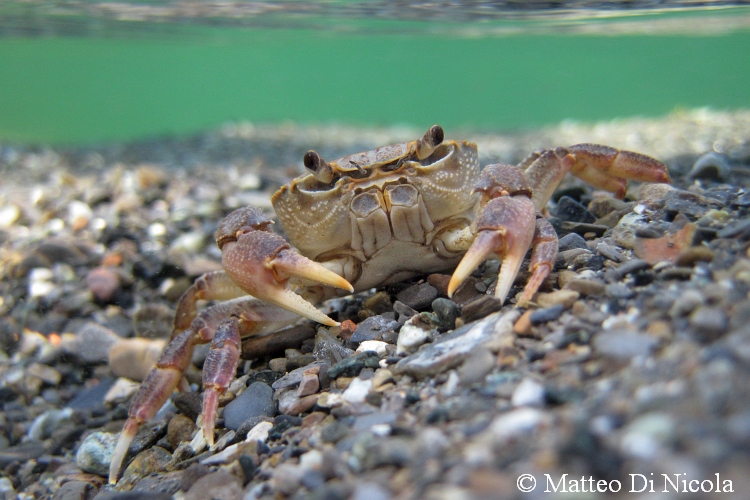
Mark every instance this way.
x=505 y=227
x=251 y=318
x=219 y=370
x=601 y=166
x=215 y=285
x=543 y=258
x=154 y=391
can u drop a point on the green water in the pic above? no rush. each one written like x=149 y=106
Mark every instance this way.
x=93 y=89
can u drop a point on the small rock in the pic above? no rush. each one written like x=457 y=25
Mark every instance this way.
x=121 y=390
x=480 y=308
x=91 y=343
x=180 y=429
x=571 y=241
x=219 y=485
x=145 y=463
x=447 y=311
x=516 y=424
x=569 y=209
x=476 y=367
x=494 y=331
x=558 y=297
x=709 y=323
x=586 y=287
x=93 y=396
x=74 y=490
x=134 y=358
x=528 y=393
x=413 y=334
x=47 y=422
x=373 y=328
x=690 y=256
x=619 y=291
x=418 y=296
x=379 y=303
x=523 y=325
x=623 y=344
x=712 y=166
x=351 y=366
x=189 y=403
x=255 y=401
x=374 y=345
x=277 y=365
x=310 y=384
x=103 y=283
x=291 y=404
x=95 y=453
x=357 y=391
x=47 y=374
x=546 y=315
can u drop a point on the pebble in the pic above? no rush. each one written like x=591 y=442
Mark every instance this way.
x=453 y=348
x=413 y=334
x=180 y=429
x=709 y=323
x=570 y=210
x=476 y=367
x=712 y=166
x=310 y=384
x=47 y=422
x=515 y=424
x=586 y=287
x=351 y=366
x=357 y=391
x=528 y=393
x=447 y=312
x=374 y=345
x=418 y=296
x=623 y=344
x=373 y=328
x=546 y=315
x=291 y=404
x=91 y=343
x=134 y=358
x=219 y=485
x=480 y=308
x=255 y=401
x=564 y=298
x=95 y=453
x=104 y=283
x=571 y=241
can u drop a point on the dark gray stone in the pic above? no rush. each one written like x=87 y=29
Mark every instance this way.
x=255 y=401
x=570 y=210
x=446 y=311
x=547 y=314
x=373 y=328
x=418 y=296
x=571 y=241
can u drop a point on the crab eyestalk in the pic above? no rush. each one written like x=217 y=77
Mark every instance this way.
x=431 y=140
x=318 y=167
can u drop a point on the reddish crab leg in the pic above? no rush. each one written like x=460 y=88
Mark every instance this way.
x=215 y=285
x=542 y=259
x=219 y=370
x=601 y=166
x=504 y=227
x=249 y=317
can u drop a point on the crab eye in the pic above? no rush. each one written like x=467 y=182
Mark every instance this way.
x=318 y=167
x=437 y=134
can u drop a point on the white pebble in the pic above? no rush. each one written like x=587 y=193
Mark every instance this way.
x=528 y=393
x=357 y=391
x=373 y=345
x=9 y=214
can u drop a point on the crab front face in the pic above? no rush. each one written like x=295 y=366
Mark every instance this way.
x=380 y=210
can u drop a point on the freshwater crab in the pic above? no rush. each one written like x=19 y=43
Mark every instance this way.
x=362 y=221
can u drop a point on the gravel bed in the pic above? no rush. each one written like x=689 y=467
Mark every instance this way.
x=632 y=366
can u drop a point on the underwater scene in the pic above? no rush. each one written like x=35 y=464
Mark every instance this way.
x=374 y=250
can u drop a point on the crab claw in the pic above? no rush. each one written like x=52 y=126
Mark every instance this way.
x=505 y=228
x=261 y=262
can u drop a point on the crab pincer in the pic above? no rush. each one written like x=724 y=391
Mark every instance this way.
x=507 y=226
x=261 y=263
